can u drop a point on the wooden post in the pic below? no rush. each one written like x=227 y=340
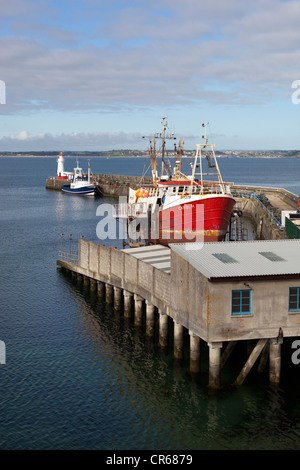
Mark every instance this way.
x=93 y=285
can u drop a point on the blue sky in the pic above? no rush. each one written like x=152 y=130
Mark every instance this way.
x=98 y=74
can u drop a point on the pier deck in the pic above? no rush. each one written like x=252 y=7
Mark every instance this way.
x=195 y=287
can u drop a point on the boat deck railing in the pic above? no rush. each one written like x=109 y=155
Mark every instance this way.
x=125 y=210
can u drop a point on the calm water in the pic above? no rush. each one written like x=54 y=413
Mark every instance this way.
x=77 y=375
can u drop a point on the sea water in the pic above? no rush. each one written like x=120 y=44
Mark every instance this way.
x=77 y=374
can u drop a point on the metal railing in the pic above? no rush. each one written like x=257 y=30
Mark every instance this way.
x=70 y=256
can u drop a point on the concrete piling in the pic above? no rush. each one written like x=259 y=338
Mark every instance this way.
x=194 y=353
x=109 y=293
x=275 y=360
x=127 y=303
x=178 y=340
x=138 y=310
x=150 y=318
x=100 y=288
x=214 y=364
x=117 y=298
x=163 y=330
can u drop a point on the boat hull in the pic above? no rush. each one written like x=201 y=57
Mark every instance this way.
x=203 y=220
x=83 y=191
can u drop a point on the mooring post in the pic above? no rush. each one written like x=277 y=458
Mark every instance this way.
x=117 y=298
x=178 y=340
x=214 y=364
x=150 y=318
x=138 y=309
x=163 y=329
x=127 y=303
x=109 y=293
x=275 y=360
x=194 y=353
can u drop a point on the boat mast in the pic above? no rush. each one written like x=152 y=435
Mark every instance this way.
x=153 y=155
x=198 y=156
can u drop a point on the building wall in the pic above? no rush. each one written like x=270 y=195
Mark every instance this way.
x=119 y=269
x=204 y=307
x=201 y=306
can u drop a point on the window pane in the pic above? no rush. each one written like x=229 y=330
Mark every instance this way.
x=294 y=298
x=293 y=305
x=241 y=301
x=236 y=294
x=235 y=309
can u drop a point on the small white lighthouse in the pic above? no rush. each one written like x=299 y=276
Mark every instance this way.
x=60 y=168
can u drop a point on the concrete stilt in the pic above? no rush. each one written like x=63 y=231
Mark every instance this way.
x=251 y=361
x=228 y=350
x=263 y=359
x=73 y=275
x=214 y=364
x=127 y=303
x=275 y=360
x=86 y=281
x=163 y=330
x=117 y=298
x=150 y=318
x=79 y=277
x=93 y=285
x=178 y=340
x=138 y=310
x=194 y=353
x=109 y=293
x=100 y=288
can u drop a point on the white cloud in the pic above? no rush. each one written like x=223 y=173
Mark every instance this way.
x=23 y=135
x=132 y=56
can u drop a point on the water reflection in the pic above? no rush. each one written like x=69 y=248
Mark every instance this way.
x=147 y=390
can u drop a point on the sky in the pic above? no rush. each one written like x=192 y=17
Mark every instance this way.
x=100 y=74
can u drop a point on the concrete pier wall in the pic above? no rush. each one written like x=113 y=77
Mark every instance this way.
x=194 y=303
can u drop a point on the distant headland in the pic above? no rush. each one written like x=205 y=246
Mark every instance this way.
x=145 y=153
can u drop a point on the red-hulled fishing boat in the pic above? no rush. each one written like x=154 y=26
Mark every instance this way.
x=178 y=207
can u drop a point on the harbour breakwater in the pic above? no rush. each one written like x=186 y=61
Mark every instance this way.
x=263 y=205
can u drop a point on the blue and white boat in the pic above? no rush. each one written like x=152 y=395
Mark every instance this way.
x=80 y=184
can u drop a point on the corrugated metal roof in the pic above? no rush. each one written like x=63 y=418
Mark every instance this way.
x=157 y=255
x=242 y=259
